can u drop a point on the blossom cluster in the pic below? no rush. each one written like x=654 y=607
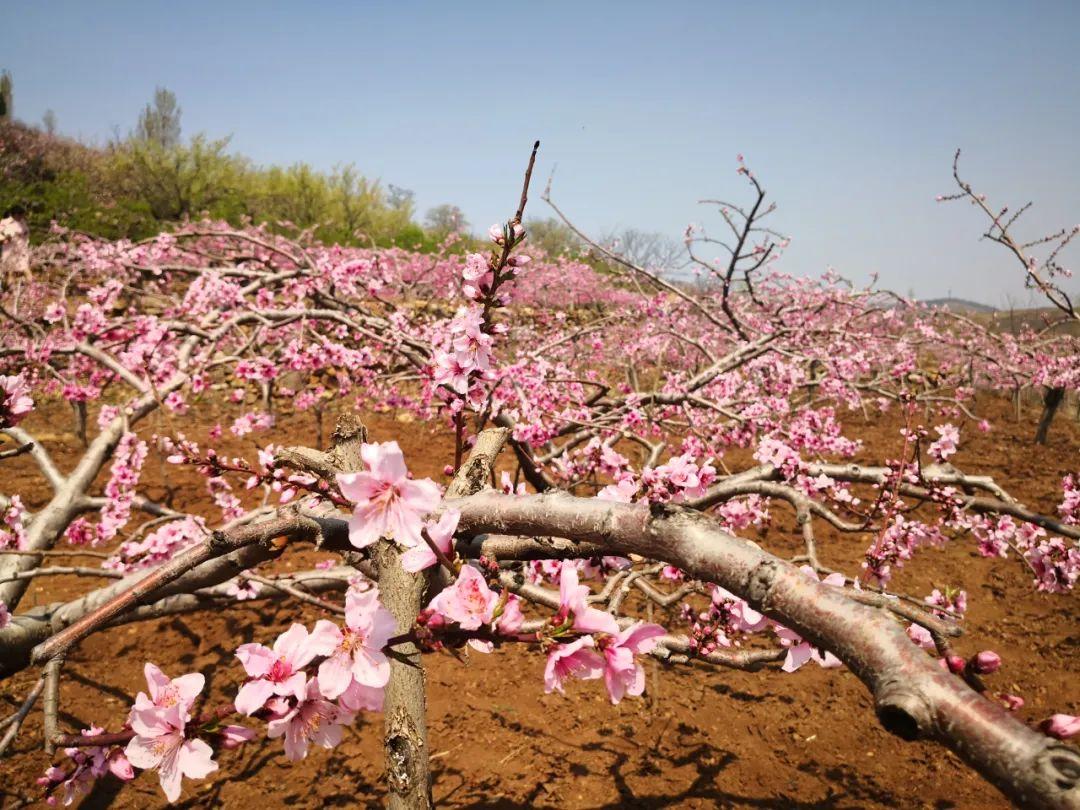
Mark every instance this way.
x=311 y=708
x=119 y=493
x=13 y=525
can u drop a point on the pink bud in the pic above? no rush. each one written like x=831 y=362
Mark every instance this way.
x=235 y=736
x=495 y=233
x=1062 y=726
x=985 y=663
x=956 y=664
x=519 y=261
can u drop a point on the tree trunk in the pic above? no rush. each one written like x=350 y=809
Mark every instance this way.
x=408 y=777
x=1051 y=401
x=408 y=773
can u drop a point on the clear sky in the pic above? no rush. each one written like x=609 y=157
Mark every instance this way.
x=848 y=112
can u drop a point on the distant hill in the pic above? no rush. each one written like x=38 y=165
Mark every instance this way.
x=960 y=305
x=1013 y=320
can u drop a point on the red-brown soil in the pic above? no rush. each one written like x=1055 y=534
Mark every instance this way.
x=702 y=737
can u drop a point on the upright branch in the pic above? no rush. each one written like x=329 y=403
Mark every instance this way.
x=1042 y=273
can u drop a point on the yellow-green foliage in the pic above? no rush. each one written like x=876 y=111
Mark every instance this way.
x=136 y=187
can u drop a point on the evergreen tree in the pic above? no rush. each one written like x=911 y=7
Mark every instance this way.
x=159 y=122
x=7 y=107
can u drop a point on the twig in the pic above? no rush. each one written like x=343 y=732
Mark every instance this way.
x=295 y=593
x=16 y=720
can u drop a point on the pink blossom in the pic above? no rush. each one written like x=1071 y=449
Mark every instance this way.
x=497 y=233
x=507 y=485
x=441 y=533
x=672 y=574
x=779 y=455
x=387 y=502
x=922 y=637
x=174 y=696
x=1056 y=564
x=453 y=369
x=277 y=671
x=469 y=601
x=233 y=736
x=511 y=618
x=313 y=720
x=250 y=422
x=242 y=589
x=622 y=674
x=158 y=546
x=15 y=401
x=478 y=276
x=54 y=312
x=954 y=601
x=574 y=660
x=799 y=651
x=355 y=653
x=741 y=616
x=358 y=697
x=621 y=492
x=680 y=478
x=573 y=605
x=1069 y=509
x=12 y=527
x=945 y=446
x=159 y=724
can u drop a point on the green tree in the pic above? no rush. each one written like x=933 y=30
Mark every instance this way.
x=446 y=219
x=180 y=181
x=553 y=237
x=7 y=102
x=159 y=121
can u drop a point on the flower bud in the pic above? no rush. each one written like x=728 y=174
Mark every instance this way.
x=495 y=233
x=1062 y=726
x=956 y=664
x=985 y=663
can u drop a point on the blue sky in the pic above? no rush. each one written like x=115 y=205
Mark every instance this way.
x=848 y=112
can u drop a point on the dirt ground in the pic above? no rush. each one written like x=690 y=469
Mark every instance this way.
x=701 y=737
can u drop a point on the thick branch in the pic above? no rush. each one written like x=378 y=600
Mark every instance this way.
x=914 y=698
